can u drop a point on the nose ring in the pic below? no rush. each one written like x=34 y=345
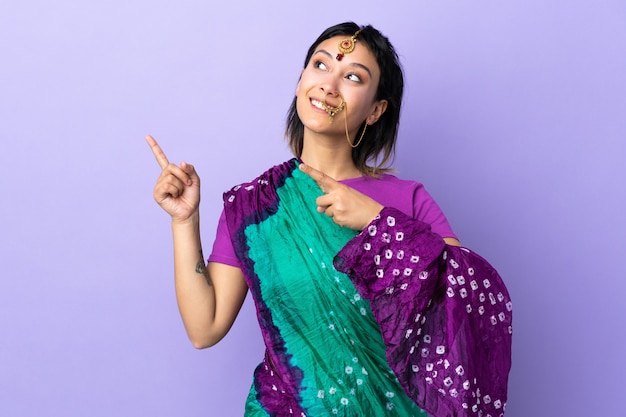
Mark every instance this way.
x=332 y=111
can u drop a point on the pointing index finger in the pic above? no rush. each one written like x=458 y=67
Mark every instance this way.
x=158 y=152
x=323 y=181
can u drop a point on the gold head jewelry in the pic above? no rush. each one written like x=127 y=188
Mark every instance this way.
x=347 y=45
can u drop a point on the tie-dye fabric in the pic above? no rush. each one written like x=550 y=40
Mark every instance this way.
x=326 y=354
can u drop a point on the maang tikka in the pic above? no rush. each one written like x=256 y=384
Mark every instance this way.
x=347 y=45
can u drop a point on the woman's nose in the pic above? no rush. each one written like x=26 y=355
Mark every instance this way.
x=330 y=86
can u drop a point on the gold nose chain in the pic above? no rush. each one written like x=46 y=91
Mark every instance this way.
x=332 y=111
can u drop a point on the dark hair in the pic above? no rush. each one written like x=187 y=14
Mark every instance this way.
x=378 y=144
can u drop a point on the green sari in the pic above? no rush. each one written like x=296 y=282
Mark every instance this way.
x=386 y=322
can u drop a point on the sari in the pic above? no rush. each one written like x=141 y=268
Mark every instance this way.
x=364 y=324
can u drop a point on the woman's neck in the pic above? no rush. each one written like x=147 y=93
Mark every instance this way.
x=332 y=156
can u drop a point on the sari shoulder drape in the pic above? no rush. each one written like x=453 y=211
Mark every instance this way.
x=444 y=313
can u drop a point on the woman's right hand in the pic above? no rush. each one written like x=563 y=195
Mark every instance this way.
x=177 y=190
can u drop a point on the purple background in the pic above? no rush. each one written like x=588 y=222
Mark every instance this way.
x=514 y=118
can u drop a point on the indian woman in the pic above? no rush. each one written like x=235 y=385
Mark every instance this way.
x=367 y=302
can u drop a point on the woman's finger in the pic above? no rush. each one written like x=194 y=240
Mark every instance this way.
x=171 y=186
x=326 y=183
x=158 y=152
x=190 y=170
x=176 y=172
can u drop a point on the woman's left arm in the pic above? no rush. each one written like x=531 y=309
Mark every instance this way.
x=443 y=311
x=346 y=206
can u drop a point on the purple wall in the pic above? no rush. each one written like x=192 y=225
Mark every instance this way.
x=515 y=119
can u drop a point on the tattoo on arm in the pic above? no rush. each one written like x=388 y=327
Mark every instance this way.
x=201 y=269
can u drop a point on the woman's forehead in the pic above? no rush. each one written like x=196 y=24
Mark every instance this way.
x=361 y=52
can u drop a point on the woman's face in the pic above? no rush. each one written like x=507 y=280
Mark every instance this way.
x=355 y=78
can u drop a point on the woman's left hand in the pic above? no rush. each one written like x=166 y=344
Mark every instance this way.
x=345 y=205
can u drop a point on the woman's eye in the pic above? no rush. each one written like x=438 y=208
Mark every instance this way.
x=320 y=65
x=354 y=77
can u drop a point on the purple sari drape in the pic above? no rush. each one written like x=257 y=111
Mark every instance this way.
x=444 y=313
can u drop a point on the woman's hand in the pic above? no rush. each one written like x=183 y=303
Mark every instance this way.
x=177 y=190
x=345 y=205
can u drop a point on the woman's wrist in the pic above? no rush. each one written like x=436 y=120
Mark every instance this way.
x=192 y=220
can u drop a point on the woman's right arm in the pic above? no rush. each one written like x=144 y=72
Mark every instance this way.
x=209 y=297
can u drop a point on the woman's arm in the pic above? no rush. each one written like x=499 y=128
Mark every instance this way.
x=443 y=311
x=209 y=299
x=209 y=296
x=346 y=206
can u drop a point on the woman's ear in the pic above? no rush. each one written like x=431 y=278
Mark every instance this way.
x=379 y=108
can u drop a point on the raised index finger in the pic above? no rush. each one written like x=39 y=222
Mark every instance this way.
x=158 y=152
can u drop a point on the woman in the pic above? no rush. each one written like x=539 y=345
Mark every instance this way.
x=367 y=304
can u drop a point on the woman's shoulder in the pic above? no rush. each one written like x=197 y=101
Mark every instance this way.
x=385 y=181
x=251 y=199
x=274 y=175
